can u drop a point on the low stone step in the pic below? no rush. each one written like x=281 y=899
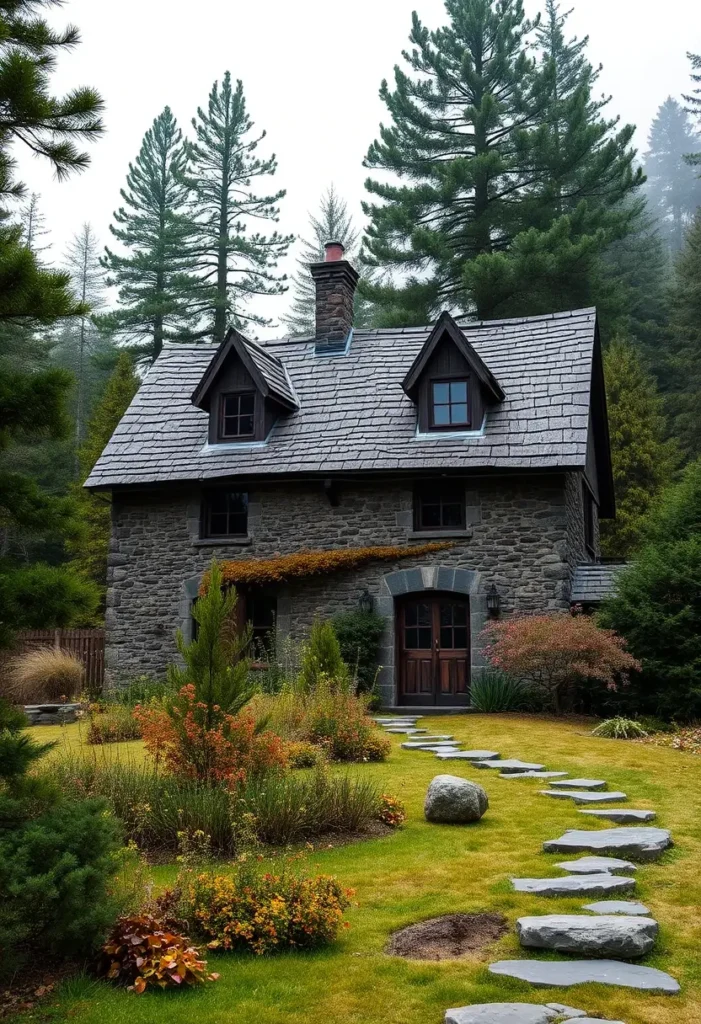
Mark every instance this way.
x=574 y=885
x=533 y=775
x=630 y=908
x=625 y=938
x=405 y=732
x=568 y=1011
x=622 y=815
x=469 y=755
x=580 y=796
x=596 y=865
x=446 y=741
x=512 y=1013
x=510 y=765
x=581 y=784
x=564 y=973
x=382 y=720
x=641 y=844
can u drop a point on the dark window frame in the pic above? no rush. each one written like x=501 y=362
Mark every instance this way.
x=223 y=416
x=589 y=504
x=440 y=497
x=206 y=530
x=465 y=379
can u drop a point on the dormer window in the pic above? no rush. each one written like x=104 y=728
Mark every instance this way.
x=449 y=404
x=237 y=418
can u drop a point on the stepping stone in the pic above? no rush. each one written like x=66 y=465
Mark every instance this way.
x=501 y=1013
x=405 y=732
x=573 y=885
x=469 y=755
x=446 y=741
x=580 y=796
x=510 y=766
x=563 y=973
x=439 y=748
x=622 y=815
x=640 y=844
x=533 y=775
x=628 y=907
x=582 y=784
x=397 y=721
x=626 y=938
x=596 y=865
x=567 y=1011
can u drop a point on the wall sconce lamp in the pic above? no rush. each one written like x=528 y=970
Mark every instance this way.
x=366 y=602
x=493 y=602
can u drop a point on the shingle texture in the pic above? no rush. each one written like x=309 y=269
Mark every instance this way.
x=273 y=371
x=354 y=415
x=594 y=583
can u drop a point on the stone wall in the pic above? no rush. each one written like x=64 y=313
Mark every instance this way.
x=518 y=537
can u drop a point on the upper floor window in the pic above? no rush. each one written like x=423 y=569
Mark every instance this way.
x=589 y=520
x=225 y=514
x=439 y=509
x=449 y=404
x=237 y=416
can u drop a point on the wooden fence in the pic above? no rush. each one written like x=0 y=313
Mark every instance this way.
x=86 y=644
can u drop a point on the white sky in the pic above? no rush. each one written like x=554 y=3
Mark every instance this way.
x=311 y=71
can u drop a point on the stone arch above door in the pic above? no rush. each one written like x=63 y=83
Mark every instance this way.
x=432 y=577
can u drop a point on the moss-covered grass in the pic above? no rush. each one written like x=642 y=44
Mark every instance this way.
x=425 y=870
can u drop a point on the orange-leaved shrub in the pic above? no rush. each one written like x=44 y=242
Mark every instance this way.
x=337 y=720
x=391 y=811
x=192 y=739
x=554 y=652
x=143 y=952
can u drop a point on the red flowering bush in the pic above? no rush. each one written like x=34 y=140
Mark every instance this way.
x=195 y=740
x=553 y=652
x=338 y=720
x=143 y=952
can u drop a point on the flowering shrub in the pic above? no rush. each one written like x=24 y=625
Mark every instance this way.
x=302 y=754
x=391 y=811
x=554 y=651
x=338 y=721
x=266 y=912
x=195 y=740
x=142 y=952
x=112 y=723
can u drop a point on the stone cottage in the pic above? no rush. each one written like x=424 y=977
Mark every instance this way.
x=490 y=439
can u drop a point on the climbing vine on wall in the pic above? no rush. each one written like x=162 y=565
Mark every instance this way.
x=260 y=571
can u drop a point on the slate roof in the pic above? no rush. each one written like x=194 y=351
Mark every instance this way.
x=354 y=416
x=593 y=583
x=267 y=370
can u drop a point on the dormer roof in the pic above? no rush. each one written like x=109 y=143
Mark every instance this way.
x=266 y=370
x=446 y=327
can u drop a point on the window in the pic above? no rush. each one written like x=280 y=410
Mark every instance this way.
x=225 y=514
x=237 y=415
x=418 y=629
x=449 y=404
x=438 y=509
x=589 y=531
x=261 y=612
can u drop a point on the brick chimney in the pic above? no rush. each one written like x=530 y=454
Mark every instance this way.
x=335 y=281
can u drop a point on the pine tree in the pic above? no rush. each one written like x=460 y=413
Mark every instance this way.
x=512 y=179
x=644 y=460
x=674 y=188
x=154 y=277
x=685 y=314
x=232 y=264
x=332 y=224
x=694 y=101
x=33 y=224
x=90 y=548
x=88 y=282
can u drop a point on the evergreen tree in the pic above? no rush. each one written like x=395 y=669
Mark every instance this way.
x=232 y=264
x=153 y=278
x=694 y=101
x=88 y=282
x=685 y=314
x=332 y=224
x=33 y=224
x=644 y=460
x=32 y=401
x=674 y=188
x=90 y=547
x=512 y=181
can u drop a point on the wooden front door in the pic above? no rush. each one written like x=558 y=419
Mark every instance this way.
x=433 y=647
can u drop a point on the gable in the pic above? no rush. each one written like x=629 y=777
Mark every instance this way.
x=446 y=335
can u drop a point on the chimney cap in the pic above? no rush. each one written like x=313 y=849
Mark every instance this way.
x=334 y=251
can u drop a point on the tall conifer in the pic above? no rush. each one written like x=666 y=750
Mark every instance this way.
x=685 y=312
x=694 y=101
x=673 y=186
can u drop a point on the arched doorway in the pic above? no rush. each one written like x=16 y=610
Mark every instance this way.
x=433 y=649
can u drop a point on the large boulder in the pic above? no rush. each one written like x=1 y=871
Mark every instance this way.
x=454 y=801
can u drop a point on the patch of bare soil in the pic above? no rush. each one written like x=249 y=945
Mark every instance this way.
x=448 y=937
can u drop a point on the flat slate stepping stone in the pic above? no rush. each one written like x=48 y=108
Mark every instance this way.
x=642 y=843
x=510 y=765
x=501 y=1013
x=596 y=865
x=622 y=815
x=446 y=741
x=533 y=775
x=439 y=748
x=568 y=1011
x=563 y=973
x=405 y=732
x=628 y=907
x=582 y=784
x=573 y=885
x=469 y=755
x=580 y=796
x=589 y=935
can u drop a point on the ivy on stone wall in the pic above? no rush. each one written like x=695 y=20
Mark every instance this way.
x=302 y=564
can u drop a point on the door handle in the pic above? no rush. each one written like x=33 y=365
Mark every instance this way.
x=436 y=645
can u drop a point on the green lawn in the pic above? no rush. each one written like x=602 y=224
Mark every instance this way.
x=425 y=870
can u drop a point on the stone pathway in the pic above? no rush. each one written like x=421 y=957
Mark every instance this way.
x=641 y=844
